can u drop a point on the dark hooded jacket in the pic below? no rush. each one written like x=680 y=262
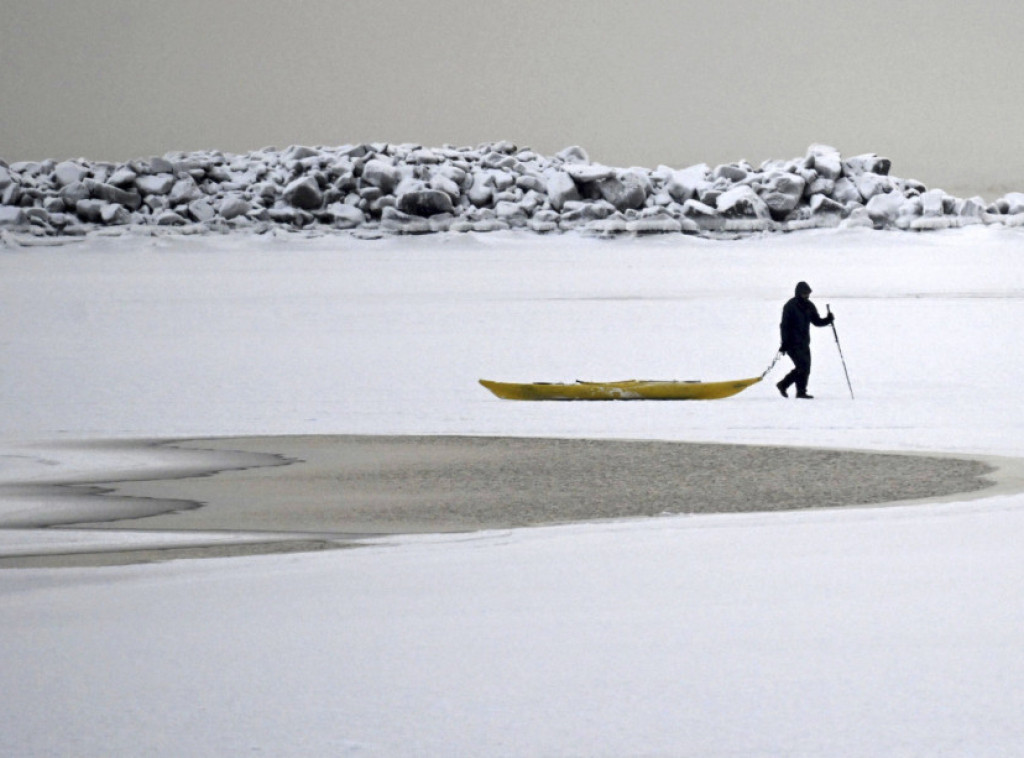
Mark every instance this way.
x=797 y=316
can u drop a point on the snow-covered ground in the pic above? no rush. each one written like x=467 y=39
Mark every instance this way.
x=869 y=631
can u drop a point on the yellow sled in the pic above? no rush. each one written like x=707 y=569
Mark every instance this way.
x=632 y=389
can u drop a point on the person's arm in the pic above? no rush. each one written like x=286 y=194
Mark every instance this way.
x=817 y=320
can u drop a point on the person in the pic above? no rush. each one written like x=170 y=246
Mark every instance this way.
x=797 y=316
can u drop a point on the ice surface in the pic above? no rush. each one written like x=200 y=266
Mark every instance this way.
x=875 y=631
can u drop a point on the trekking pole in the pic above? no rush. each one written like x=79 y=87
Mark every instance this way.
x=828 y=308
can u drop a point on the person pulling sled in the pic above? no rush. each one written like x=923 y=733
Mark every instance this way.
x=797 y=316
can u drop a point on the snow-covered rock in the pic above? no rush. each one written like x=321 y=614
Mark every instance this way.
x=232 y=207
x=155 y=184
x=184 y=191
x=742 y=201
x=869 y=163
x=11 y=215
x=561 y=189
x=574 y=154
x=68 y=172
x=782 y=192
x=624 y=193
x=846 y=192
x=387 y=188
x=395 y=220
x=683 y=185
x=380 y=174
x=89 y=210
x=589 y=172
x=826 y=161
x=1014 y=203
x=304 y=193
x=202 y=210
x=170 y=218
x=822 y=204
x=344 y=216
x=131 y=199
x=869 y=184
x=884 y=208
x=425 y=203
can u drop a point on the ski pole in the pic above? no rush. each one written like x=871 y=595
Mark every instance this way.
x=835 y=334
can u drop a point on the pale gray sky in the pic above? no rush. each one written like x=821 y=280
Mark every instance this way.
x=936 y=86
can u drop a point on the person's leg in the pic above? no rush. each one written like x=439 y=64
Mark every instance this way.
x=790 y=378
x=802 y=370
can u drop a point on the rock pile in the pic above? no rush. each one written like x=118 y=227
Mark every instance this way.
x=409 y=189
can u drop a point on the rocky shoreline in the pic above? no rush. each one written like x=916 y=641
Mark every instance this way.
x=378 y=189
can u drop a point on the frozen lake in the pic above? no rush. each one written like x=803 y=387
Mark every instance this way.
x=865 y=631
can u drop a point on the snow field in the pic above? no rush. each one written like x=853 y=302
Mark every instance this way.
x=874 y=631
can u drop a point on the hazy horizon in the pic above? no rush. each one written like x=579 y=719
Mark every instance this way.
x=929 y=85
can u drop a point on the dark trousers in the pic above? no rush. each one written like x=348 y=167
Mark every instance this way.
x=801 y=357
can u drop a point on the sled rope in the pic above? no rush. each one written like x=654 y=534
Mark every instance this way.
x=775 y=360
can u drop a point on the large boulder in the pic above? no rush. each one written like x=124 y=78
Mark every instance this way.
x=782 y=192
x=481 y=191
x=158 y=165
x=625 y=193
x=113 y=214
x=202 y=210
x=511 y=213
x=394 y=220
x=870 y=184
x=884 y=209
x=574 y=154
x=425 y=203
x=588 y=172
x=682 y=185
x=561 y=189
x=733 y=172
x=935 y=203
x=826 y=161
x=1012 y=203
x=74 y=192
x=128 y=198
x=155 y=184
x=184 y=191
x=702 y=215
x=122 y=177
x=446 y=185
x=742 y=202
x=68 y=172
x=343 y=216
x=845 y=191
x=89 y=210
x=304 y=193
x=170 y=218
x=822 y=205
x=381 y=174
x=11 y=215
x=867 y=163
x=233 y=206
